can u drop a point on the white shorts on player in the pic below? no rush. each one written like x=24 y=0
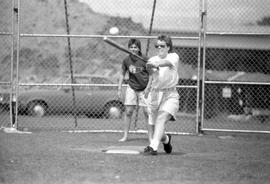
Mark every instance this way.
x=166 y=100
x=133 y=97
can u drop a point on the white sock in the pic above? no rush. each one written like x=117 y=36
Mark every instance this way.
x=154 y=144
x=166 y=141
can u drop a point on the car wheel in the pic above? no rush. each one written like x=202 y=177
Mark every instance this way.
x=37 y=109
x=114 y=110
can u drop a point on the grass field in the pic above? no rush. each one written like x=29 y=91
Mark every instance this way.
x=62 y=157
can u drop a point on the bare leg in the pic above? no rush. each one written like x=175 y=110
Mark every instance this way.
x=159 y=132
x=150 y=128
x=136 y=111
x=128 y=116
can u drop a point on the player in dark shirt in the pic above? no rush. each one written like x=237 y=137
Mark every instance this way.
x=137 y=81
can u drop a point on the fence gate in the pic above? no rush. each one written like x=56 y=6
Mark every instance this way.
x=236 y=67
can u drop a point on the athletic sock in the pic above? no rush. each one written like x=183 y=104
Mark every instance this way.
x=154 y=144
x=166 y=141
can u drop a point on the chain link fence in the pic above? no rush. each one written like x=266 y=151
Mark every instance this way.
x=67 y=76
x=6 y=50
x=237 y=66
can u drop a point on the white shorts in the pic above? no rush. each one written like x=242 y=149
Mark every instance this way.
x=133 y=97
x=167 y=101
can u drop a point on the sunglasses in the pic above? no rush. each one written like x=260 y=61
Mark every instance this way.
x=159 y=46
x=133 y=47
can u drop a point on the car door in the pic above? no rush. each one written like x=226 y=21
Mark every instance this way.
x=84 y=95
x=63 y=98
x=102 y=94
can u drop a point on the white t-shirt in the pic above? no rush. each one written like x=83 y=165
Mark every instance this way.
x=165 y=77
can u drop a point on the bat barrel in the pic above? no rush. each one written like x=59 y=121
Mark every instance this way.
x=120 y=47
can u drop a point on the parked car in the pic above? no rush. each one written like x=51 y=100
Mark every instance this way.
x=4 y=99
x=99 y=99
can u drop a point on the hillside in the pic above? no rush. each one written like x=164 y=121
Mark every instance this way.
x=45 y=59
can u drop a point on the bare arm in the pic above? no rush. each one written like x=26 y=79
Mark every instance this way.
x=120 y=82
x=148 y=87
x=164 y=63
x=161 y=63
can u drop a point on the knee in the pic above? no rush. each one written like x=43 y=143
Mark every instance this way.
x=145 y=111
x=163 y=117
x=129 y=112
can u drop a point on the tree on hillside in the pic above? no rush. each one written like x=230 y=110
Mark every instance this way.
x=265 y=21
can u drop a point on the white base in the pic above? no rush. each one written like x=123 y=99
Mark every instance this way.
x=14 y=130
x=134 y=152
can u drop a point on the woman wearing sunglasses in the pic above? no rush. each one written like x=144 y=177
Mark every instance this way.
x=163 y=98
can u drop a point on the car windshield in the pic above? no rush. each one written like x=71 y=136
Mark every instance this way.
x=99 y=80
x=85 y=80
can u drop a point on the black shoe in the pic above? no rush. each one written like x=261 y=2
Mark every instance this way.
x=168 y=147
x=149 y=151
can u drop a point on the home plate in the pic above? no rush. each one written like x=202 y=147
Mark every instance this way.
x=135 y=150
x=14 y=130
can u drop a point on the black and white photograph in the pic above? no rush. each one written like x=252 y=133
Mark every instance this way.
x=138 y=91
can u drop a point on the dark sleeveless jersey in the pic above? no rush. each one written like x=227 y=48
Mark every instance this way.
x=138 y=75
